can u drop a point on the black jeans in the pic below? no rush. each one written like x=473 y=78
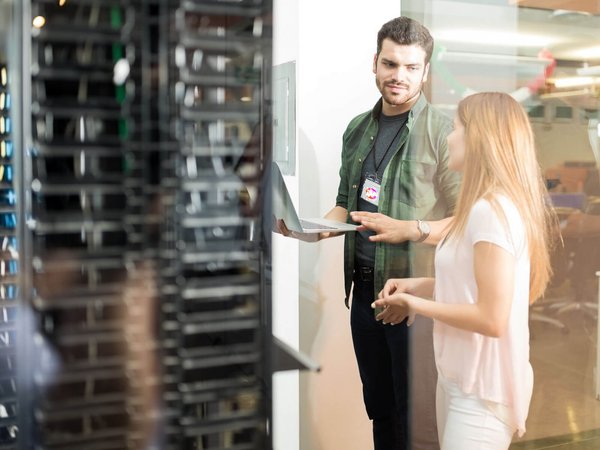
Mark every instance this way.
x=382 y=356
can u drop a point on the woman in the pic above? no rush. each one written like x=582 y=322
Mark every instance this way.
x=493 y=262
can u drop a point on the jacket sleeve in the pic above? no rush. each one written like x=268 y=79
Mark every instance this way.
x=342 y=195
x=448 y=181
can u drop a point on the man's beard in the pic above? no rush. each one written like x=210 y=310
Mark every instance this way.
x=398 y=99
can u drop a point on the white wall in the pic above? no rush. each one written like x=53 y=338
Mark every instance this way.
x=333 y=44
x=335 y=83
x=285 y=261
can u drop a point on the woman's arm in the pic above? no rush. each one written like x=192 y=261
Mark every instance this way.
x=494 y=270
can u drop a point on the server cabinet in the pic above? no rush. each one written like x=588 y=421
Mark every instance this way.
x=134 y=281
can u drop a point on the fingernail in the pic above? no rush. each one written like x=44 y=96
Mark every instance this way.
x=373 y=305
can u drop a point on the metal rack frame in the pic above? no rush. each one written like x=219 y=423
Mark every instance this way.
x=144 y=261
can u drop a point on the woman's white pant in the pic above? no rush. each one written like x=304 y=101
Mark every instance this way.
x=465 y=422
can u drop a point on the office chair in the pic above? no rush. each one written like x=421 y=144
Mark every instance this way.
x=582 y=260
x=559 y=296
x=543 y=310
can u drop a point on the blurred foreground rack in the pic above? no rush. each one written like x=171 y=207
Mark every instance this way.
x=134 y=278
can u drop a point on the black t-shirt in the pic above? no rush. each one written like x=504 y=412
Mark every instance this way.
x=386 y=143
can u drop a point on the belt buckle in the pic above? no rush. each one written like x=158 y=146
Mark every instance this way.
x=366 y=273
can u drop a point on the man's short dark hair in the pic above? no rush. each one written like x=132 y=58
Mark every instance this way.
x=405 y=31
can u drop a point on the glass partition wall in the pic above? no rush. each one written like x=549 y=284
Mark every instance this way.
x=548 y=58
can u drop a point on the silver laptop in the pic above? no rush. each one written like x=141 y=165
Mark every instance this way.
x=283 y=208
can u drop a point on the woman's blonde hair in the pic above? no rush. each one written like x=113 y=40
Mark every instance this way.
x=500 y=158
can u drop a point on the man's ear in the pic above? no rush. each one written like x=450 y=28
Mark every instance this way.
x=375 y=63
x=426 y=72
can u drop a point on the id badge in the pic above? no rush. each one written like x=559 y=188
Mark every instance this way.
x=370 y=192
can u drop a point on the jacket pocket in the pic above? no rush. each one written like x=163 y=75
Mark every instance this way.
x=415 y=184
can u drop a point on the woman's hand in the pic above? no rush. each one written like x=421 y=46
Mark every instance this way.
x=396 y=308
x=395 y=285
x=420 y=287
x=394 y=302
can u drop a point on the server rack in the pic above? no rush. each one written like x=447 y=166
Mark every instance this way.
x=140 y=243
x=9 y=267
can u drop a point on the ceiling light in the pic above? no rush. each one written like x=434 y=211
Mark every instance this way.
x=491 y=58
x=503 y=38
x=568 y=12
x=564 y=94
x=568 y=82
x=39 y=21
x=588 y=70
x=587 y=53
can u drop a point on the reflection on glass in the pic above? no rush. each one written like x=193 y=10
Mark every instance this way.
x=548 y=60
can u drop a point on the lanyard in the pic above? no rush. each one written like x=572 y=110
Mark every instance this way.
x=378 y=165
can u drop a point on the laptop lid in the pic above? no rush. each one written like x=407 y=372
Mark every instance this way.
x=283 y=208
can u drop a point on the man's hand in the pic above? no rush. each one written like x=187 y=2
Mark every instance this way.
x=394 y=231
x=338 y=214
x=386 y=229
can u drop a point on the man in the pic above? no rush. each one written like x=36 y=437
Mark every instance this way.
x=394 y=170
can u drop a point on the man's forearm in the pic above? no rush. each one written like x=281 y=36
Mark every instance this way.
x=396 y=231
x=439 y=229
x=338 y=214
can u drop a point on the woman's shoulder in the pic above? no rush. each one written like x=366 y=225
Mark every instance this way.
x=481 y=209
x=489 y=205
x=497 y=217
x=496 y=212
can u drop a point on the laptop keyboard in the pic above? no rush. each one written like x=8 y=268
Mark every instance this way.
x=314 y=226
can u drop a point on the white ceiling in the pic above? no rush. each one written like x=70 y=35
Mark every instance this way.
x=493 y=45
x=575 y=35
